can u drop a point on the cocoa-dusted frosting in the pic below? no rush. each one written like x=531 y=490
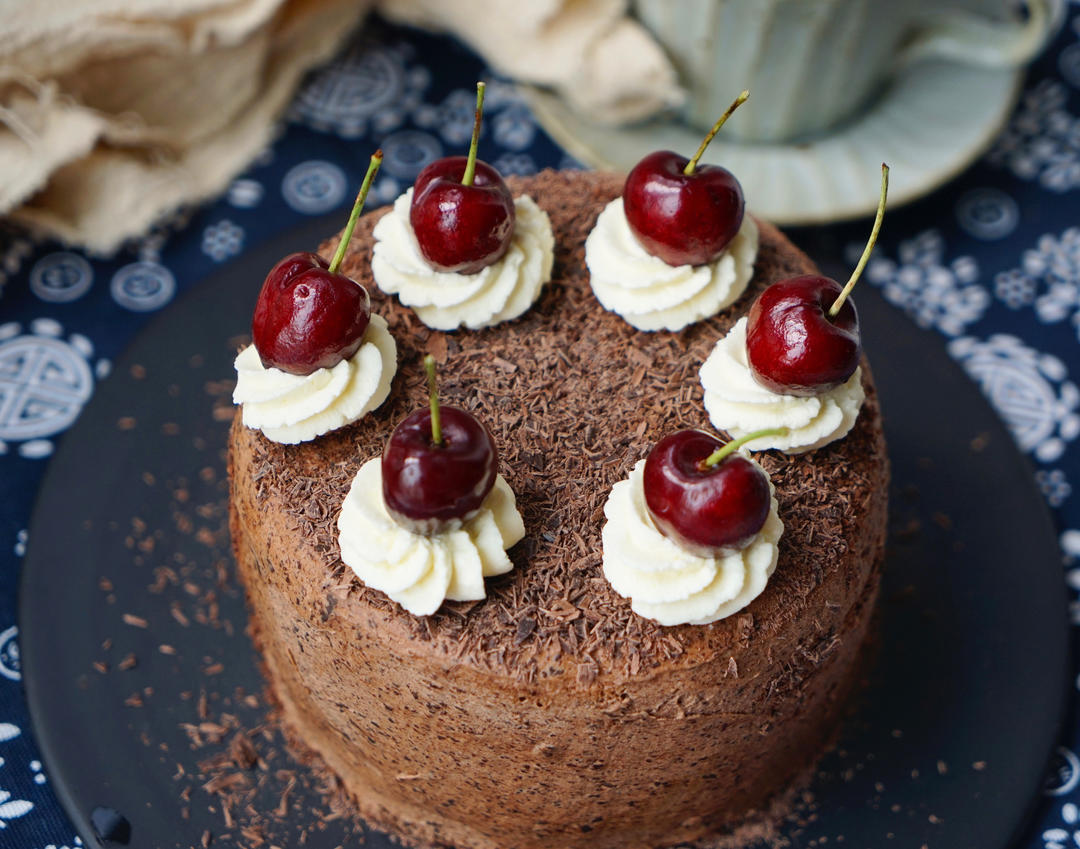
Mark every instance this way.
x=547 y=714
x=574 y=397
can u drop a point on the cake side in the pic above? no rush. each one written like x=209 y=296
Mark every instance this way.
x=551 y=703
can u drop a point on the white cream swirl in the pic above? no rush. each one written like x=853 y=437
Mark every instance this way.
x=420 y=572
x=291 y=408
x=669 y=584
x=737 y=403
x=652 y=295
x=444 y=300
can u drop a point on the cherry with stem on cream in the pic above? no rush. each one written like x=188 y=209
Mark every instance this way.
x=462 y=212
x=438 y=465
x=704 y=496
x=308 y=315
x=802 y=334
x=680 y=211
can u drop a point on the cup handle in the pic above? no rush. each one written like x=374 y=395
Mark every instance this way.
x=972 y=40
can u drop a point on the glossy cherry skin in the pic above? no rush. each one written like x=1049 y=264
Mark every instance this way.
x=793 y=346
x=307 y=318
x=709 y=511
x=426 y=486
x=461 y=228
x=682 y=219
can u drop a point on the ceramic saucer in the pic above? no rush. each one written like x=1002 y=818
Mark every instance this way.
x=929 y=124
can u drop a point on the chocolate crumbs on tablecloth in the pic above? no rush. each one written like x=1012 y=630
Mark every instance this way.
x=562 y=446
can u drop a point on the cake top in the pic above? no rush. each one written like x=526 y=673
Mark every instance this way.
x=574 y=396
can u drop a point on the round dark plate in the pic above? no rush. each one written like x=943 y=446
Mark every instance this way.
x=140 y=676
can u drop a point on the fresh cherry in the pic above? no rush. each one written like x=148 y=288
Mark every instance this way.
x=681 y=212
x=703 y=495
x=462 y=211
x=793 y=346
x=802 y=334
x=308 y=316
x=438 y=465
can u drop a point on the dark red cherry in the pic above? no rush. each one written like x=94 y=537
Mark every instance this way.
x=462 y=212
x=426 y=485
x=680 y=211
x=682 y=219
x=461 y=228
x=793 y=346
x=438 y=465
x=308 y=316
x=802 y=334
x=707 y=509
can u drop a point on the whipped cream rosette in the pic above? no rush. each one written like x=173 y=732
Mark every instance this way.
x=666 y=582
x=420 y=571
x=739 y=404
x=446 y=300
x=652 y=295
x=291 y=408
x=678 y=246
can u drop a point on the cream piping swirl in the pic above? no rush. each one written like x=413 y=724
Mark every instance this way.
x=291 y=408
x=652 y=295
x=446 y=301
x=419 y=572
x=665 y=582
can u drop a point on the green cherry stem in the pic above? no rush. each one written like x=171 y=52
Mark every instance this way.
x=692 y=164
x=358 y=206
x=433 y=396
x=731 y=447
x=470 y=165
x=857 y=273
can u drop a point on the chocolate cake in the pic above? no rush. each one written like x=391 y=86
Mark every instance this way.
x=549 y=714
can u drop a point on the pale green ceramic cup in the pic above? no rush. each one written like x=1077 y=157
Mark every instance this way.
x=811 y=65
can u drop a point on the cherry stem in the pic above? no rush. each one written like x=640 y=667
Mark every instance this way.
x=433 y=395
x=857 y=273
x=358 y=206
x=730 y=448
x=692 y=164
x=470 y=165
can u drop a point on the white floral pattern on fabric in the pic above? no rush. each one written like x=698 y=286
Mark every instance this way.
x=371 y=87
x=987 y=214
x=1054 y=485
x=143 y=286
x=44 y=383
x=245 y=193
x=314 y=187
x=510 y=121
x=10 y=664
x=520 y=164
x=61 y=277
x=1042 y=141
x=222 y=240
x=1070 y=545
x=1068 y=837
x=1048 y=278
x=934 y=292
x=10 y=808
x=407 y=153
x=1030 y=390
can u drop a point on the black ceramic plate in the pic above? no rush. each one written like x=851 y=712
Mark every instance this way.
x=139 y=673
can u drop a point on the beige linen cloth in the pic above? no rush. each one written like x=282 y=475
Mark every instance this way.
x=115 y=112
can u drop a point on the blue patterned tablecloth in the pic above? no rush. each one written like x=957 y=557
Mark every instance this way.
x=991 y=262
